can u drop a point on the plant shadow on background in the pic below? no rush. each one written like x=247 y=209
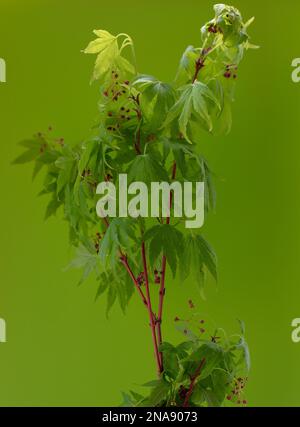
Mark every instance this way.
x=151 y=130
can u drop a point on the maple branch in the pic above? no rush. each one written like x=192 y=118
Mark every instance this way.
x=124 y=261
x=198 y=65
x=151 y=315
x=162 y=289
x=193 y=380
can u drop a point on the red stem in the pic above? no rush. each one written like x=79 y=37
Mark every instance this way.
x=162 y=289
x=199 y=64
x=193 y=380
x=151 y=315
x=124 y=261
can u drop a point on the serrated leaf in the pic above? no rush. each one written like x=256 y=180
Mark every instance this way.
x=111 y=298
x=27 y=156
x=167 y=240
x=52 y=207
x=119 y=235
x=86 y=259
x=156 y=99
x=212 y=354
x=196 y=254
x=158 y=394
x=107 y=48
x=193 y=102
x=145 y=168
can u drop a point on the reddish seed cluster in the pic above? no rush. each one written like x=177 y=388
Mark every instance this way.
x=43 y=148
x=108 y=177
x=191 y=304
x=215 y=339
x=120 y=117
x=237 y=391
x=157 y=277
x=97 y=241
x=85 y=173
x=182 y=392
x=231 y=71
x=115 y=89
x=141 y=278
x=212 y=29
x=206 y=50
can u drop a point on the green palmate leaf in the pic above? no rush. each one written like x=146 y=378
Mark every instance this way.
x=127 y=401
x=197 y=254
x=194 y=104
x=106 y=46
x=86 y=259
x=111 y=298
x=212 y=354
x=186 y=69
x=221 y=384
x=120 y=235
x=158 y=394
x=171 y=361
x=145 y=168
x=118 y=286
x=164 y=239
x=27 y=156
x=156 y=100
x=34 y=150
x=67 y=167
x=52 y=207
x=101 y=289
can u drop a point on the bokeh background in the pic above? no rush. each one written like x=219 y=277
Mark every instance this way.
x=61 y=349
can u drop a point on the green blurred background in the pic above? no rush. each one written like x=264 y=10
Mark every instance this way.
x=61 y=349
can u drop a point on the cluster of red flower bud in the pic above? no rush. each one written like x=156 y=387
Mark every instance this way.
x=116 y=89
x=141 y=278
x=121 y=116
x=213 y=29
x=97 y=241
x=231 y=71
x=157 y=276
x=237 y=391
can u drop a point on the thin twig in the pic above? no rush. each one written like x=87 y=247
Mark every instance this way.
x=124 y=261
